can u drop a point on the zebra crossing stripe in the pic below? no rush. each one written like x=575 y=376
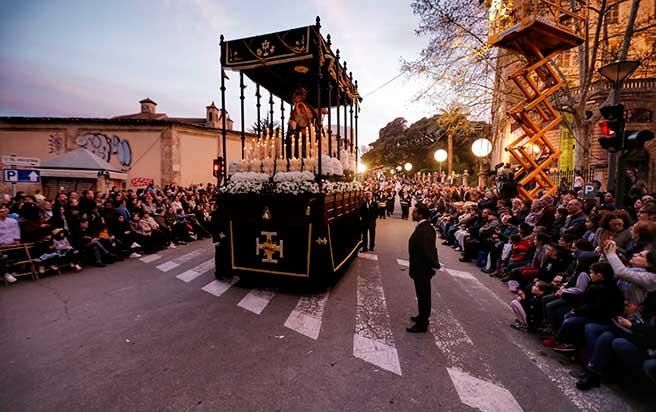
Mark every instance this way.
x=219 y=287
x=474 y=283
x=373 y=340
x=368 y=256
x=403 y=262
x=306 y=317
x=150 y=258
x=482 y=395
x=256 y=300
x=174 y=263
x=193 y=273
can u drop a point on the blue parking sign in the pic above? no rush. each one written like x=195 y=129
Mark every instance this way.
x=21 y=176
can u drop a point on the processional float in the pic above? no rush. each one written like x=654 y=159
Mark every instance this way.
x=289 y=205
x=538 y=30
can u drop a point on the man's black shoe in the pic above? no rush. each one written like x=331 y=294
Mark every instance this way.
x=414 y=318
x=364 y=250
x=446 y=242
x=464 y=259
x=417 y=329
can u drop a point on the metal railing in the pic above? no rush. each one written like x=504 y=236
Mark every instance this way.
x=505 y=14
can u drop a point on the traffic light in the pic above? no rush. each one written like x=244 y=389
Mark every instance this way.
x=612 y=128
x=216 y=167
x=637 y=138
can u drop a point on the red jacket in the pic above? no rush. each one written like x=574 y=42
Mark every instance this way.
x=521 y=250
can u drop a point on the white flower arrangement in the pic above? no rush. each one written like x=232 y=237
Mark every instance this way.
x=293 y=177
x=340 y=187
x=249 y=176
x=330 y=166
x=296 y=187
x=293 y=183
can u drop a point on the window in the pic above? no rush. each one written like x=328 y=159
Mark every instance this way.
x=639 y=115
x=613 y=14
x=211 y=116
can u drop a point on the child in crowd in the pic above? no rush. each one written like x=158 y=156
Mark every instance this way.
x=528 y=309
x=61 y=253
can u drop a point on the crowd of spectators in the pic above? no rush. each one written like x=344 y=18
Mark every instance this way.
x=75 y=229
x=582 y=269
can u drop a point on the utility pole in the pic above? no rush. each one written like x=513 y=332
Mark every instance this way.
x=450 y=152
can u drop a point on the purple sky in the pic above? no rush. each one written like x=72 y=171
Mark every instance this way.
x=98 y=59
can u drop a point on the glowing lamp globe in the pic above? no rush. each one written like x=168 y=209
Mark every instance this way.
x=407 y=167
x=481 y=147
x=399 y=168
x=440 y=155
x=362 y=167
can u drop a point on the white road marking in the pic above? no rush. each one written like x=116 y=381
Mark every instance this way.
x=373 y=341
x=474 y=283
x=174 y=263
x=368 y=256
x=403 y=262
x=150 y=258
x=193 y=273
x=482 y=395
x=219 y=287
x=306 y=317
x=598 y=400
x=256 y=300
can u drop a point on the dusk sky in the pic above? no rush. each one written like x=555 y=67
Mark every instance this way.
x=99 y=58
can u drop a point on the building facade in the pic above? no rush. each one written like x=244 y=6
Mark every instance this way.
x=638 y=96
x=143 y=147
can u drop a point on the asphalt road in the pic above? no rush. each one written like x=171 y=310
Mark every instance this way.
x=162 y=335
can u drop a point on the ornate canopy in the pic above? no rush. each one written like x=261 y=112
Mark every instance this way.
x=282 y=61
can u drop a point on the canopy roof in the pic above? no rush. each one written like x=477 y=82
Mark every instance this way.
x=80 y=159
x=282 y=61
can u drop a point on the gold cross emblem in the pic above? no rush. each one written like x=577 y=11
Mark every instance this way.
x=269 y=247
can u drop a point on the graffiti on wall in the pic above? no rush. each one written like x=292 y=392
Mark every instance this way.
x=104 y=147
x=55 y=144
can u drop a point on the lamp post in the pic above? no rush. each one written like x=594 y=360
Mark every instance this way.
x=616 y=73
x=440 y=155
x=481 y=148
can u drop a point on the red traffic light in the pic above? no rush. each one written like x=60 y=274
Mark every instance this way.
x=216 y=167
x=604 y=128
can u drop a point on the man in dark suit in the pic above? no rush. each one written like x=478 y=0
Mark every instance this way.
x=423 y=263
x=368 y=215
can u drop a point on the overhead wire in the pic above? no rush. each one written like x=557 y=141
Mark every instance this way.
x=384 y=84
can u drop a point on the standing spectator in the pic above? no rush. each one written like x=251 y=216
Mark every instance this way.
x=368 y=214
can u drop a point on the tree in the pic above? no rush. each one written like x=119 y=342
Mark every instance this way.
x=457 y=58
x=398 y=143
x=263 y=125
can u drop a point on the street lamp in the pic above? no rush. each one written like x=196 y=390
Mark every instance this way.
x=440 y=155
x=616 y=73
x=399 y=168
x=362 y=167
x=481 y=148
x=407 y=167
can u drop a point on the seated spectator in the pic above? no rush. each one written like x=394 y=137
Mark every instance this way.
x=601 y=301
x=629 y=342
x=89 y=245
x=528 y=309
x=61 y=253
